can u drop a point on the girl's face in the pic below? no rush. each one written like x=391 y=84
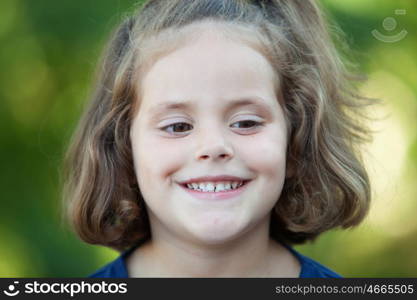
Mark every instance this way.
x=226 y=121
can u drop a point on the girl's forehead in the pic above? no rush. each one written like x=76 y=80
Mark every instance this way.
x=169 y=40
x=210 y=63
x=160 y=46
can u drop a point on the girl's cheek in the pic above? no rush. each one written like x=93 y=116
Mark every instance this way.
x=266 y=149
x=266 y=156
x=164 y=156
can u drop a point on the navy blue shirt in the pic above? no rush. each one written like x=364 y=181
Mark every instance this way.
x=309 y=267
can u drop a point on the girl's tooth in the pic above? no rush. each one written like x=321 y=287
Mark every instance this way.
x=210 y=187
x=220 y=187
x=214 y=187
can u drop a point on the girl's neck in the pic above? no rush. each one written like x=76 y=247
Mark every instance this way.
x=252 y=255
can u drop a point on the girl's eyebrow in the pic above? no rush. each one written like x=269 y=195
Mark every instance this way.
x=256 y=102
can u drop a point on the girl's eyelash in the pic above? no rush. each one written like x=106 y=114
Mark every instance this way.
x=257 y=124
x=173 y=125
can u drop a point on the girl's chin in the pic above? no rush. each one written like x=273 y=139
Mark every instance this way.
x=216 y=235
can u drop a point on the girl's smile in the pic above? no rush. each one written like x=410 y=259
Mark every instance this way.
x=215 y=187
x=216 y=191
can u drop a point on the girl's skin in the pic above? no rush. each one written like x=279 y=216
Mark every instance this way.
x=210 y=238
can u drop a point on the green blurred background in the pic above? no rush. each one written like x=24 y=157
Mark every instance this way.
x=48 y=53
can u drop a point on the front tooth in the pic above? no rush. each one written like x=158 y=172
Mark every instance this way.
x=220 y=187
x=210 y=187
x=227 y=186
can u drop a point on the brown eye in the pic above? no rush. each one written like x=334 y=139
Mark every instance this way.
x=177 y=127
x=248 y=124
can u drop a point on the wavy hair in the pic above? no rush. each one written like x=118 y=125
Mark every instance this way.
x=327 y=185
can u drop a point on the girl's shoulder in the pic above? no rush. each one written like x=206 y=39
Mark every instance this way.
x=117 y=268
x=114 y=269
x=311 y=268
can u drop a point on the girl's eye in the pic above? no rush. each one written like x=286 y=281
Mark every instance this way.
x=182 y=127
x=247 y=124
x=177 y=127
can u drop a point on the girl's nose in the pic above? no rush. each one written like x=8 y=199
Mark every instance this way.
x=215 y=153
x=214 y=146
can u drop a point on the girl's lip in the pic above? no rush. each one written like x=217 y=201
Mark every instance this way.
x=219 y=195
x=215 y=179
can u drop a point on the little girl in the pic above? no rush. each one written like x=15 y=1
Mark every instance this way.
x=220 y=134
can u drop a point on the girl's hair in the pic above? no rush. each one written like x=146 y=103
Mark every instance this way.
x=326 y=186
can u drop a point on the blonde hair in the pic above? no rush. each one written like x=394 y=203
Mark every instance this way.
x=327 y=186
